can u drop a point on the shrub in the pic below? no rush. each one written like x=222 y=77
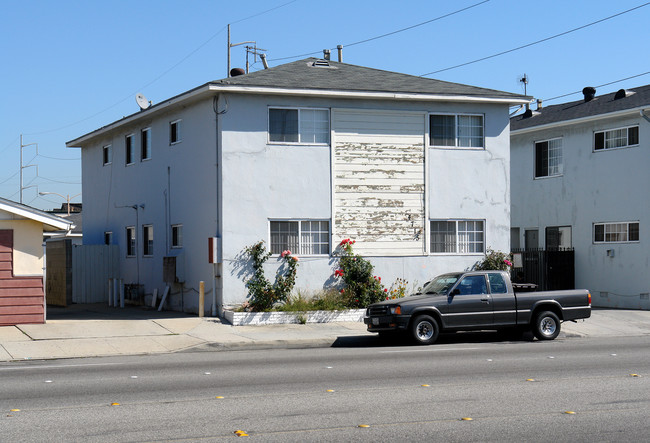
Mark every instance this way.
x=262 y=294
x=361 y=287
x=495 y=261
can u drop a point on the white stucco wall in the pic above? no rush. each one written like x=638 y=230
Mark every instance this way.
x=604 y=186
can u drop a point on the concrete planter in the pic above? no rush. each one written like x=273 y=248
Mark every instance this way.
x=276 y=318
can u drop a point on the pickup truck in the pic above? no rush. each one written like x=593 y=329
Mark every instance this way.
x=477 y=300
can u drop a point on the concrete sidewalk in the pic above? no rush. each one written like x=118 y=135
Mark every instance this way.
x=96 y=330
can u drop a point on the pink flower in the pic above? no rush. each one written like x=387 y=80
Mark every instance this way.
x=507 y=262
x=285 y=253
x=295 y=258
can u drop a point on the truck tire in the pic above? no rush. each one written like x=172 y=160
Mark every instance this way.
x=546 y=326
x=425 y=330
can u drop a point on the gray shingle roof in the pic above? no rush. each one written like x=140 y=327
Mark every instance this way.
x=604 y=104
x=302 y=74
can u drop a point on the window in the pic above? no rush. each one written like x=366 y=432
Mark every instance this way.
x=107 y=152
x=548 y=158
x=462 y=130
x=616 y=138
x=308 y=237
x=497 y=283
x=175 y=132
x=130 y=241
x=558 y=237
x=304 y=126
x=472 y=284
x=177 y=236
x=145 y=146
x=147 y=240
x=128 y=142
x=457 y=236
x=108 y=237
x=616 y=232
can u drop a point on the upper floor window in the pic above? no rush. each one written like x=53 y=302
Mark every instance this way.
x=548 y=158
x=616 y=138
x=130 y=154
x=456 y=130
x=107 y=155
x=147 y=240
x=616 y=232
x=307 y=237
x=299 y=125
x=108 y=238
x=177 y=236
x=130 y=241
x=175 y=132
x=145 y=145
x=457 y=236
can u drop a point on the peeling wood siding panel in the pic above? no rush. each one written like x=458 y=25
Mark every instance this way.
x=379 y=181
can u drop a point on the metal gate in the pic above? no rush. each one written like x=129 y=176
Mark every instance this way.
x=550 y=270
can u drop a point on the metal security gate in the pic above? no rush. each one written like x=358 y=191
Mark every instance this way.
x=550 y=270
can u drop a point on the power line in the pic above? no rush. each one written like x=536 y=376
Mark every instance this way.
x=161 y=75
x=598 y=86
x=536 y=42
x=59 y=158
x=387 y=34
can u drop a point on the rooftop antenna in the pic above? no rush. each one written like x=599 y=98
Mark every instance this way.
x=142 y=101
x=231 y=45
x=524 y=79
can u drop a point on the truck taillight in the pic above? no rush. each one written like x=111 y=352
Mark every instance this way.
x=589 y=297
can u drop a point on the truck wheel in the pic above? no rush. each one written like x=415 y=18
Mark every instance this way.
x=546 y=326
x=425 y=330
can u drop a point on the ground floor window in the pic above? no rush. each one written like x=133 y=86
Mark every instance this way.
x=621 y=232
x=558 y=237
x=177 y=236
x=457 y=236
x=147 y=240
x=130 y=241
x=108 y=237
x=304 y=237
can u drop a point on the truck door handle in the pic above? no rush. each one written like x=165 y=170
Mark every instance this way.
x=485 y=299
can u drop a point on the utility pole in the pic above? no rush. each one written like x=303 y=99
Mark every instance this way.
x=25 y=166
x=232 y=45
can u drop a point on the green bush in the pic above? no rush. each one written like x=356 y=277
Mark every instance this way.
x=495 y=261
x=262 y=294
x=361 y=288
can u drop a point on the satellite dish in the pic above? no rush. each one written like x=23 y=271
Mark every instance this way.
x=142 y=101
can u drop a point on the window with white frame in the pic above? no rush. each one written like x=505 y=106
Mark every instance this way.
x=147 y=240
x=457 y=236
x=175 y=132
x=177 y=236
x=107 y=155
x=548 y=158
x=145 y=144
x=130 y=241
x=129 y=151
x=456 y=130
x=108 y=238
x=620 y=232
x=299 y=125
x=616 y=138
x=305 y=237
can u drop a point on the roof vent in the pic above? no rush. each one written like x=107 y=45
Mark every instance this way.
x=321 y=62
x=589 y=93
x=234 y=72
x=621 y=93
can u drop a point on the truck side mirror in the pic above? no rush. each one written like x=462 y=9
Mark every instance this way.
x=454 y=292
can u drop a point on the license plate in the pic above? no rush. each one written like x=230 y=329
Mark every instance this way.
x=375 y=321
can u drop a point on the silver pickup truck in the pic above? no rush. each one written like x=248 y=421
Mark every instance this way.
x=474 y=301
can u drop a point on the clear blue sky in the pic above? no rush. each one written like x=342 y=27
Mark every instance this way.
x=70 y=67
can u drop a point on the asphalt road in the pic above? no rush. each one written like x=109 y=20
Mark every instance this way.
x=512 y=391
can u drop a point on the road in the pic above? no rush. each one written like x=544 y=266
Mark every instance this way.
x=360 y=391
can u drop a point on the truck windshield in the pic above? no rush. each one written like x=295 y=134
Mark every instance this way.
x=441 y=284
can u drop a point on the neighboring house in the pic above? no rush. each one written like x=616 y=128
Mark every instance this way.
x=579 y=171
x=73 y=214
x=301 y=156
x=21 y=261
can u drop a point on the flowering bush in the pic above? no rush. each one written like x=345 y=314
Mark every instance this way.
x=397 y=289
x=495 y=261
x=263 y=295
x=361 y=287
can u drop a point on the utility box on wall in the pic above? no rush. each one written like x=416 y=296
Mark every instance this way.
x=174 y=268
x=213 y=250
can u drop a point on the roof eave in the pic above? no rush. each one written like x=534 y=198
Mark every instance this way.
x=576 y=121
x=36 y=215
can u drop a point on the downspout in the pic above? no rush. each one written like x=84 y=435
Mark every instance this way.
x=217 y=290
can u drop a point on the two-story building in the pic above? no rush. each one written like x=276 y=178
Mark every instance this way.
x=578 y=173
x=301 y=155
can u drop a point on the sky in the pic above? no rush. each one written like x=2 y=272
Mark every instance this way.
x=70 y=67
